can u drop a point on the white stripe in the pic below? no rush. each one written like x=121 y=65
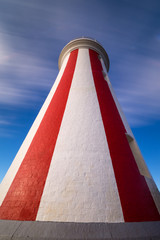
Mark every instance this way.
x=7 y=181
x=133 y=144
x=81 y=185
x=154 y=192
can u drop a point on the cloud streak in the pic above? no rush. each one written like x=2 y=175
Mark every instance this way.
x=32 y=34
x=139 y=89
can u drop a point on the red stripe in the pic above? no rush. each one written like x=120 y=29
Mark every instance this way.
x=23 y=198
x=136 y=200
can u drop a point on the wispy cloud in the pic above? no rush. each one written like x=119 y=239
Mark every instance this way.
x=32 y=34
x=4 y=122
x=139 y=89
x=22 y=74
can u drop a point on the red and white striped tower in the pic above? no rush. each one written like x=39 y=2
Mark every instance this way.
x=80 y=161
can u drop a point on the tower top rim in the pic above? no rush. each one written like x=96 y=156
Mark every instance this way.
x=84 y=42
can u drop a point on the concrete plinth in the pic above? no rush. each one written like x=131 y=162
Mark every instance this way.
x=28 y=230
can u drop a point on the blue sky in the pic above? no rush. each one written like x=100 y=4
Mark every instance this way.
x=32 y=35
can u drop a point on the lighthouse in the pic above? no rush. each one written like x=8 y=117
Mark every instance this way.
x=80 y=162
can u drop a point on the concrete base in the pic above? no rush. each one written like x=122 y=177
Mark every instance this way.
x=27 y=230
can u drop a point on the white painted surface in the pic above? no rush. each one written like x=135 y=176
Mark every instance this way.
x=133 y=144
x=154 y=192
x=135 y=149
x=7 y=181
x=139 y=159
x=81 y=185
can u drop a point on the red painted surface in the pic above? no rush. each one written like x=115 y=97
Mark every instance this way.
x=23 y=198
x=136 y=200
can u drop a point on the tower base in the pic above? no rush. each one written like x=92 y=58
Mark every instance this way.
x=28 y=230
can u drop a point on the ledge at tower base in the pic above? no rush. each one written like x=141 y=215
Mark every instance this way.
x=79 y=173
x=28 y=230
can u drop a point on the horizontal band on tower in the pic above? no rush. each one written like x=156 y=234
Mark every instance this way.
x=84 y=43
x=22 y=230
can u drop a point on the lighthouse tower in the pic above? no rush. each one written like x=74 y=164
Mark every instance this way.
x=80 y=162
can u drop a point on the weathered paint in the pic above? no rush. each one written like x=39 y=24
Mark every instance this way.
x=136 y=199
x=81 y=185
x=23 y=197
x=10 y=175
x=76 y=164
